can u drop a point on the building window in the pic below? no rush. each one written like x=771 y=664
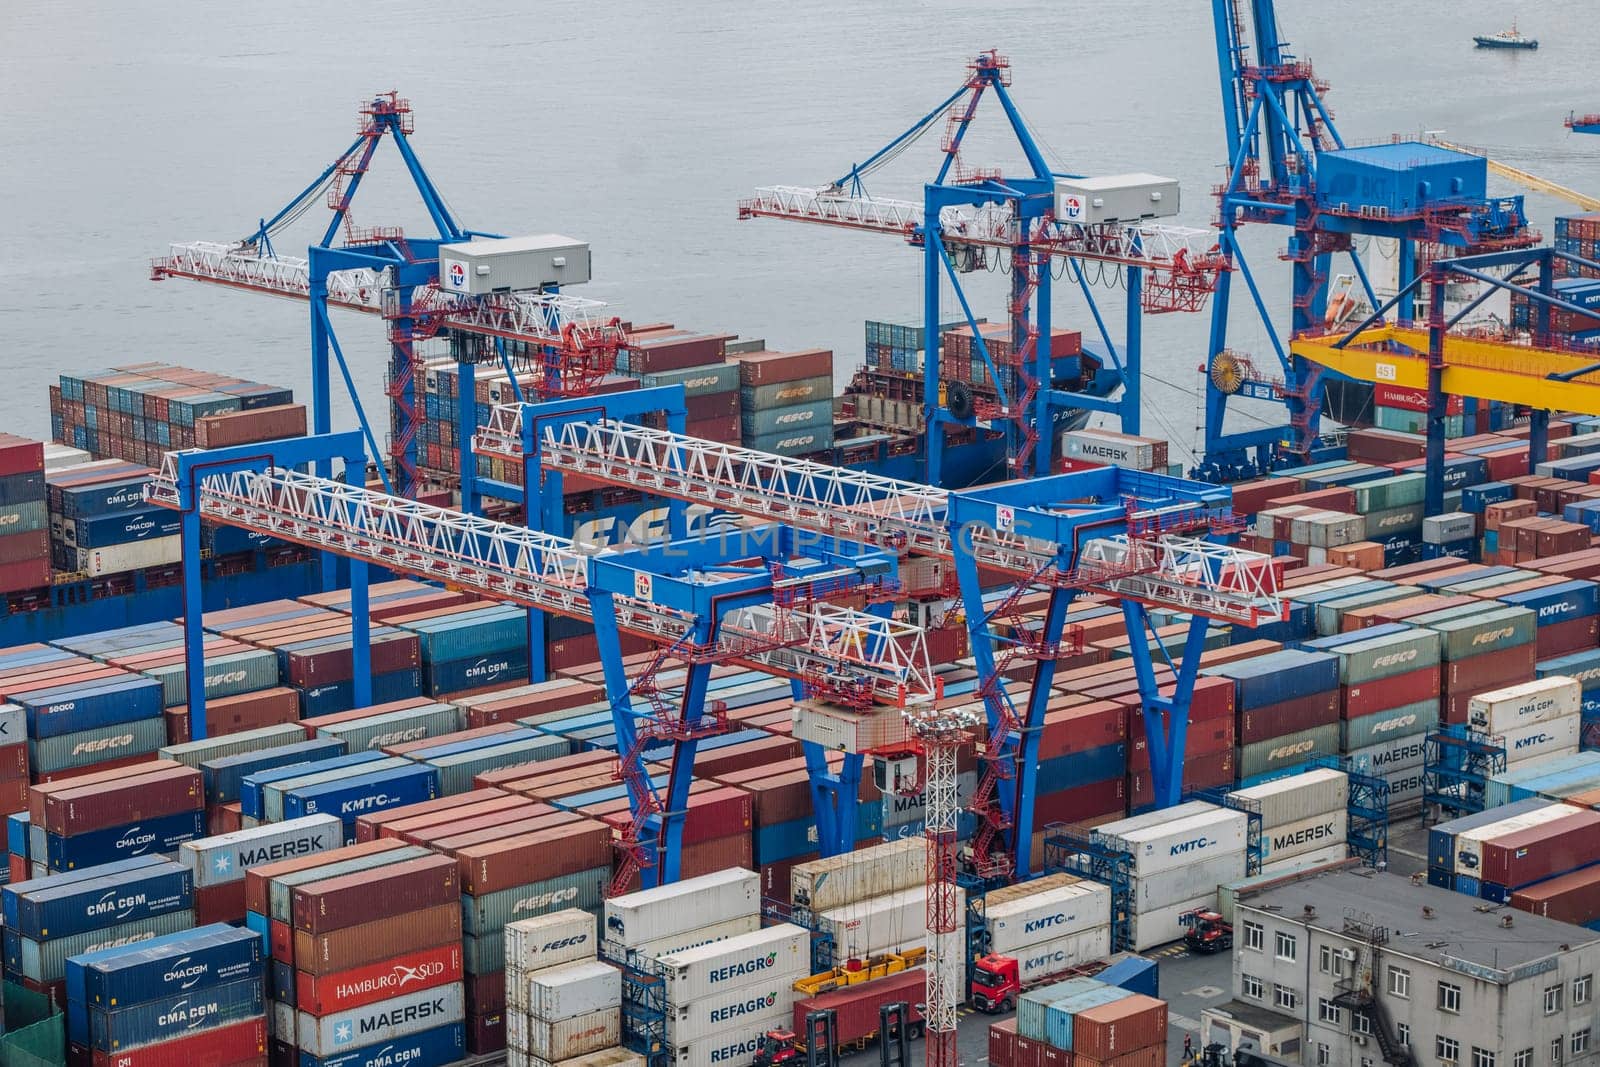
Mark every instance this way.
x=1285 y=998
x=1402 y=1032
x=1581 y=986
x=1331 y=961
x=1400 y=983
x=1580 y=1042
x=1523 y=1058
x=1552 y=999
x=1447 y=1049
x=1284 y=946
x=1360 y=1022
x=1322 y=1055
x=1449 y=998
x=1254 y=936
x=1329 y=1013
x=1555 y=1050
x=1482 y=1057
x=1250 y=986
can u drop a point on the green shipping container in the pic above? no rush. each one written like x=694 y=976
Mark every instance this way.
x=226 y=676
x=1277 y=753
x=84 y=747
x=46 y=961
x=1382 y=726
x=1385 y=494
x=1330 y=613
x=697 y=381
x=793 y=442
x=492 y=912
x=396 y=727
x=758 y=422
x=1384 y=657
x=1482 y=632
x=786 y=394
x=456 y=771
x=194 y=753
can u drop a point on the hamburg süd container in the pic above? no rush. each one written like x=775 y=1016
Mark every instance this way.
x=734 y=963
x=423 y=969
x=651 y=914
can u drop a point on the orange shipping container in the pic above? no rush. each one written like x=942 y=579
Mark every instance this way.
x=1127 y=1025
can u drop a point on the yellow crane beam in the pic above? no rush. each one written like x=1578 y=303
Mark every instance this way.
x=1488 y=370
x=1523 y=178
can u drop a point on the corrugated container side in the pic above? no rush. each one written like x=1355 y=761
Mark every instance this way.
x=380 y=1022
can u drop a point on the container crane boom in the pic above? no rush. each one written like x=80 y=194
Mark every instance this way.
x=1528 y=181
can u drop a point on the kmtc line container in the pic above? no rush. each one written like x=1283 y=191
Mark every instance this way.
x=714 y=969
x=262 y=792
x=1050 y=914
x=223 y=859
x=165 y=966
x=384 y=1021
x=350 y=797
x=651 y=914
x=1171 y=842
x=174 y=1016
x=94 y=903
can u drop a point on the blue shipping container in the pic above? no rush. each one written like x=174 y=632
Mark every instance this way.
x=210 y=955
x=60 y=911
x=152 y=837
x=1279 y=676
x=175 y=1016
x=224 y=777
x=1558 y=603
x=350 y=797
x=90 y=706
x=11 y=896
x=340 y=696
x=252 y=790
x=443 y=1044
x=123 y=528
x=453 y=676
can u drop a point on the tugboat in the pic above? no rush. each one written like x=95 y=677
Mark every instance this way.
x=1507 y=39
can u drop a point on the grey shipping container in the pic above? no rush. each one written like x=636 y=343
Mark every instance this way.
x=697 y=381
x=223 y=859
x=491 y=912
x=272 y=794
x=46 y=961
x=226 y=676
x=457 y=770
x=1383 y=657
x=763 y=421
x=787 y=394
x=1277 y=753
x=194 y=753
x=396 y=727
x=84 y=747
x=1368 y=730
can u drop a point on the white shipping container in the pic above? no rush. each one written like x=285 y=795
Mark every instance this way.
x=1147 y=929
x=1121 y=828
x=867 y=872
x=1397 y=753
x=1116 y=451
x=1228 y=892
x=735 y=963
x=611 y=1057
x=133 y=556
x=1176 y=844
x=1266 y=527
x=1049 y=915
x=1035 y=962
x=573 y=989
x=1308 y=835
x=1469 y=843
x=731 y=1048
x=225 y=857
x=1298 y=797
x=577 y=1036
x=701 y=1019
x=1200 y=875
x=1518 y=706
x=1553 y=737
x=651 y=914
x=706 y=935
x=1451 y=526
x=882 y=924
x=1405 y=789
x=848 y=729
x=1333 y=529
x=549 y=940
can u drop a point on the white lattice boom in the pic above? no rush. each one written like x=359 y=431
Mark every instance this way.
x=1187 y=574
x=1150 y=245
x=886 y=659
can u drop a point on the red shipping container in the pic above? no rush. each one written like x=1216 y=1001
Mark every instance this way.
x=1123 y=1026
x=1198 y=773
x=1027 y=1052
x=1556 y=847
x=1153 y=1056
x=219 y=903
x=486 y=1033
x=1411 y=687
x=384 y=939
x=19 y=455
x=1480 y=673
x=224 y=1046
x=856 y=1008
x=361 y=986
x=1571 y=898
x=486 y=993
x=131 y=798
x=14 y=763
x=1050 y=1056
x=1080 y=728
x=1003 y=1043
x=765 y=368
x=257 y=879
x=33 y=547
x=1560 y=638
x=1288 y=717
x=775 y=877
x=224 y=819
x=1079 y=802
x=380 y=893
x=24 y=574
x=1395 y=396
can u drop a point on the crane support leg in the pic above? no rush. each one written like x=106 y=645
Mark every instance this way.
x=194 y=638
x=1166 y=718
x=834 y=799
x=608 y=639
x=466 y=427
x=669 y=838
x=360 y=610
x=982 y=644
x=1044 y=676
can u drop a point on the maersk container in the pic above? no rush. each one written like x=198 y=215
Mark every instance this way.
x=441 y=1044
x=1393 y=754
x=493 y=911
x=1040 y=959
x=574 y=989
x=1049 y=915
x=225 y=777
x=1298 y=797
x=1469 y=843
x=1033 y=1006
x=702 y=1019
x=1289 y=750
x=196 y=753
x=165 y=966
x=174 y=1016
x=867 y=872
x=46 y=961
x=1173 y=842
x=1060 y=1015
x=553 y=1042
x=1307 y=835
x=95 y=746
x=705 y=935
x=1130 y=452
x=62 y=910
x=385 y=1021
x=651 y=914
x=280 y=893
x=69 y=709
x=733 y=964
x=1201 y=874
x=547 y=941
x=457 y=770
x=222 y=859
x=1408 y=720
x=1553 y=737
x=163 y=835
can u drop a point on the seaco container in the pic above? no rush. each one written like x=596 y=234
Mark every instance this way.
x=223 y=859
x=713 y=969
x=381 y=1022
x=651 y=914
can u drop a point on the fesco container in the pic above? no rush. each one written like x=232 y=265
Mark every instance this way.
x=385 y=1021
x=1278 y=753
x=46 y=961
x=59 y=911
x=224 y=777
x=226 y=675
x=395 y=727
x=164 y=966
x=1405 y=721
x=85 y=747
x=175 y=1015
x=493 y=911
x=458 y=766
x=163 y=835
x=1483 y=631
x=548 y=940
x=567 y=1039
x=195 y=753
x=440 y=1044
x=223 y=859
x=471 y=633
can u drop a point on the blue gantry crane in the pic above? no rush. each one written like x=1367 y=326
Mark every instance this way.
x=968 y=218
x=1288 y=166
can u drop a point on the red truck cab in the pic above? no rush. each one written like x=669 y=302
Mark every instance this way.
x=996 y=983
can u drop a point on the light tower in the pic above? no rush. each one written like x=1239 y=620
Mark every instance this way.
x=939 y=734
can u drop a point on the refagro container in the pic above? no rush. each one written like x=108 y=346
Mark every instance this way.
x=556 y=1042
x=381 y=1022
x=1064 y=907
x=868 y=872
x=1298 y=797
x=666 y=911
x=573 y=989
x=223 y=859
x=1469 y=843
x=1308 y=835
x=733 y=1010
x=1518 y=706
x=733 y=964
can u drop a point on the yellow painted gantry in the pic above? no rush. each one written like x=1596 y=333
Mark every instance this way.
x=1488 y=370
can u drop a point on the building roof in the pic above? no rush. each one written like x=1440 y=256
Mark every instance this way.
x=1462 y=933
x=1403 y=155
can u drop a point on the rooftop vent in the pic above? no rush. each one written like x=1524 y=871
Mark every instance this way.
x=1427 y=911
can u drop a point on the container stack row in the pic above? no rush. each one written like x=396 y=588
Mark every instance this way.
x=1090 y=1021
x=1179 y=857
x=24 y=515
